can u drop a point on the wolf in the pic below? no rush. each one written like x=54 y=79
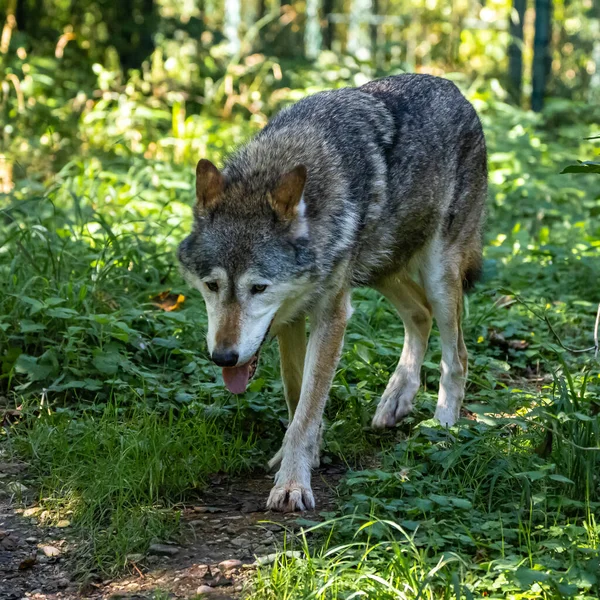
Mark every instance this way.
x=382 y=185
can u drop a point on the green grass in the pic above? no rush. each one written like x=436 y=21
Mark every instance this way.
x=477 y=511
x=123 y=416
x=116 y=473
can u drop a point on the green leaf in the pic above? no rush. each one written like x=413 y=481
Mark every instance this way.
x=62 y=313
x=527 y=577
x=31 y=327
x=107 y=363
x=30 y=366
x=36 y=305
x=461 y=503
x=532 y=475
x=423 y=504
x=560 y=478
x=441 y=500
x=587 y=166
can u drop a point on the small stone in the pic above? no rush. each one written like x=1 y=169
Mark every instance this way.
x=62 y=583
x=252 y=507
x=63 y=523
x=163 y=550
x=31 y=540
x=196 y=523
x=9 y=543
x=12 y=468
x=15 y=487
x=3 y=534
x=240 y=541
x=205 y=589
x=232 y=563
x=50 y=551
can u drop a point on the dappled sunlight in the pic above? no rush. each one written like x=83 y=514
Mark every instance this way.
x=120 y=425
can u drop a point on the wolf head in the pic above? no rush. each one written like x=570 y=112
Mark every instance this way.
x=248 y=255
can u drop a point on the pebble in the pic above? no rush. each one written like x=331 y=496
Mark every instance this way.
x=9 y=543
x=240 y=541
x=232 y=563
x=50 y=551
x=15 y=487
x=208 y=509
x=206 y=589
x=163 y=550
x=196 y=523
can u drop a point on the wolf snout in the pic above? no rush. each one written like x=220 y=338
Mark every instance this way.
x=225 y=358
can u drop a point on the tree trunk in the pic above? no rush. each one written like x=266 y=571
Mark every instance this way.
x=515 y=50
x=541 y=52
x=329 y=32
x=231 y=26
x=312 y=30
x=359 y=39
x=20 y=15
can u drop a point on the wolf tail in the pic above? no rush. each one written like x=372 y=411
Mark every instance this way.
x=472 y=268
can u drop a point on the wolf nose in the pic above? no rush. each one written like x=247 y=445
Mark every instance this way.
x=225 y=358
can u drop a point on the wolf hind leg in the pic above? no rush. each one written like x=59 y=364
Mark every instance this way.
x=410 y=301
x=444 y=287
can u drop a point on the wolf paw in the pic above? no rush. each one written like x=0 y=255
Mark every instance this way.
x=291 y=497
x=396 y=401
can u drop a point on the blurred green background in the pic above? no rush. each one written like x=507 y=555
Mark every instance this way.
x=90 y=65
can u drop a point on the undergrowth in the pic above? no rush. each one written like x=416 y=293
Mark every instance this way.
x=110 y=398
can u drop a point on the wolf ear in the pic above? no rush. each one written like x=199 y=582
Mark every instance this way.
x=209 y=185
x=286 y=198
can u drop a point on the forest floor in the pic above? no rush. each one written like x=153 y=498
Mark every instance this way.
x=224 y=536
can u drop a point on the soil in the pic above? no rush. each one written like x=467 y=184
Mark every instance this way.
x=226 y=532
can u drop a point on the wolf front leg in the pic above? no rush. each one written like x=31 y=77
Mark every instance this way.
x=292 y=489
x=292 y=352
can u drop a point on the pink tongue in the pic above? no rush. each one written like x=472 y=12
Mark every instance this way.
x=236 y=378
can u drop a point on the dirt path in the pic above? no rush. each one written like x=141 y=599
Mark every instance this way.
x=224 y=532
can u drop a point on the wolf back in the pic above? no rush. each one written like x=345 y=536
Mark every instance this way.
x=387 y=163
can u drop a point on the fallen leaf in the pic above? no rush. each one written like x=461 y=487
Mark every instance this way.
x=168 y=301
x=27 y=563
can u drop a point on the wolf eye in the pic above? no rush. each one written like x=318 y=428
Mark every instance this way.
x=258 y=289
x=213 y=286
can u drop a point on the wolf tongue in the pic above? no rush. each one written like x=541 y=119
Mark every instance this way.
x=236 y=378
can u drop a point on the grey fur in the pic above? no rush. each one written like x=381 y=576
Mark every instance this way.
x=388 y=164
x=394 y=195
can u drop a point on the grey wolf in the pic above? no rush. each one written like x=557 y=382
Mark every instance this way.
x=382 y=185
